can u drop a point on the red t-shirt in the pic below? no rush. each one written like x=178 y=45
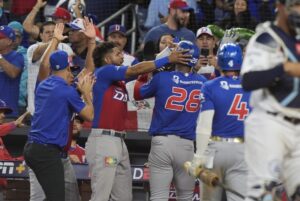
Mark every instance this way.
x=19 y=7
x=78 y=151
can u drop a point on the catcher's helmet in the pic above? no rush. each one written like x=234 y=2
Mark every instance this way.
x=230 y=57
x=193 y=50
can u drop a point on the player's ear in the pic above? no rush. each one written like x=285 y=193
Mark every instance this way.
x=107 y=60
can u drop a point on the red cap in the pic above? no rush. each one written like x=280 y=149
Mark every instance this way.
x=180 y=4
x=62 y=13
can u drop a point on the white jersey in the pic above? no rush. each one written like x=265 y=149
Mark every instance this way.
x=261 y=57
x=33 y=70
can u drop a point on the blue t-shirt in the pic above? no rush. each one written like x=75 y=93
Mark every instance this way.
x=177 y=102
x=9 y=87
x=230 y=102
x=182 y=34
x=55 y=102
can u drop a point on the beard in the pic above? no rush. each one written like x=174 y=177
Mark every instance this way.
x=180 y=22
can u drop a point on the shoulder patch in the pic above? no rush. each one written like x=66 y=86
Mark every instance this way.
x=267 y=40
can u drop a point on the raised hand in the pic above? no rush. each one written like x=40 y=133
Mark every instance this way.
x=85 y=83
x=58 y=32
x=180 y=56
x=19 y=122
x=89 y=28
x=40 y=4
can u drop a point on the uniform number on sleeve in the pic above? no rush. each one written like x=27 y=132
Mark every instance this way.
x=176 y=101
x=238 y=108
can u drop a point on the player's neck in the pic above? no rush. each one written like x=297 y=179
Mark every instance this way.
x=183 y=69
x=231 y=73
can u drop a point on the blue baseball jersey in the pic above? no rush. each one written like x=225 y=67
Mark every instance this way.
x=110 y=98
x=230 y=102
x=177 y=102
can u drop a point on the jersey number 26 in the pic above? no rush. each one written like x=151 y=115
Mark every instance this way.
x=176 y=101
x=238 y=108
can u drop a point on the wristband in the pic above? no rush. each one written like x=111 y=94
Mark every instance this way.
x=161 y=62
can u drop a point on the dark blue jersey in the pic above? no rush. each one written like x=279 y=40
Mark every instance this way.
x=230 y=102
x=177 y=102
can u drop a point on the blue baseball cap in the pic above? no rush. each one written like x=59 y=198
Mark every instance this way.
x=59 y=60
x=7 y=32
x=4 y=107
x=16 y=26
x=117 y=28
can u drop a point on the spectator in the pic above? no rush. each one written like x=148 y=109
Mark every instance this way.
x=11 y=66
x=28 y=23
x=207 y=61
x=223 y=9
x=34 y=55
x=176 y=22
x=61 y=15
x=3 y=15
x=166 y=40
x=18 y=29
x=117 y=35
x=76 y=152
x=158 y=9
x=205 y=14
x=239 y=17
x=79 y=42
x=19 y=9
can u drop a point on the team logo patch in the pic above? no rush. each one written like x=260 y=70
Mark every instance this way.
x=110 y=161
x=224 y=85
x=175 y=79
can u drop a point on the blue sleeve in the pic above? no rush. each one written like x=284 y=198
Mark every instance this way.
x=18 y=61
x=149 y=89
x=150 y=36
x=74 y=100
x=207 y=101
x=152 y=14
x=112 y=73
x=135 y=61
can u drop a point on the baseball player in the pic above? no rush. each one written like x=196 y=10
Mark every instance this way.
x=106 y=151
x=177 y=103
x=271 y=70
x=223 y=111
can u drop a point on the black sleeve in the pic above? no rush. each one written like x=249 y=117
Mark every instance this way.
x=262 y=79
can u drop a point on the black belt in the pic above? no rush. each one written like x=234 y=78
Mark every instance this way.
x=113 y=133
x=289 y=119
x=166 y=135
x=62 y=153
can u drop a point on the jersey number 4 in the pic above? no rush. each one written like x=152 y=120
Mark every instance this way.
x=176 y=101
x=238 y=108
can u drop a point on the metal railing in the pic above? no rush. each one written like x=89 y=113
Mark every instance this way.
x=122 y=12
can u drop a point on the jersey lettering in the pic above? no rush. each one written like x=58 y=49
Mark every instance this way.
x=238 y=108
x=176 y=102
x=121 y=96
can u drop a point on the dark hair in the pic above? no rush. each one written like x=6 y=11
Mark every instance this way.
x=46 y=24
x=100 y=52
x=158 y=42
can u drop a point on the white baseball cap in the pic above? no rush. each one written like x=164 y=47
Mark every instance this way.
x=204 y=30
x=77 y=24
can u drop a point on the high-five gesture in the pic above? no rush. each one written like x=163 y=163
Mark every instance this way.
x=89 y=29
x=58 y=32
x=180 y=56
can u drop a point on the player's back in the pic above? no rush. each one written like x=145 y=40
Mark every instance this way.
x=177 y=103
x=231 y=104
